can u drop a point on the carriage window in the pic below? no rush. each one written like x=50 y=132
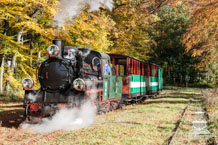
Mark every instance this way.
x=143 y=69
x=96 y=63
x=121 y=70
x=131 y=67
x=153 y=72
x=146 y=69
x=122 y=67
x=106 y=67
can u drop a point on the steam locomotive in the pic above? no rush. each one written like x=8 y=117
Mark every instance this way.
x=72 y=75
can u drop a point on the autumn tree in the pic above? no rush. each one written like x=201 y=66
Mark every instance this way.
x=202 y=38
x=130 y=35
x=21 y=23
x=169 y=51
x=92 y=30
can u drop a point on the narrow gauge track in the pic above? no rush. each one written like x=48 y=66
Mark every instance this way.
x=178 y=124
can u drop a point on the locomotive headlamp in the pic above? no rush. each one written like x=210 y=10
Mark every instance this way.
x=79 y=84
x=53 y=50
x=27 y=83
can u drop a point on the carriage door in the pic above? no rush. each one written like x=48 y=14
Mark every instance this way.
x=106 y=79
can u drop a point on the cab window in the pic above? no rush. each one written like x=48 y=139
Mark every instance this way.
x=106 y=67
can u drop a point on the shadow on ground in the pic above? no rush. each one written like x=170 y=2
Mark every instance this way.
x=11 y=118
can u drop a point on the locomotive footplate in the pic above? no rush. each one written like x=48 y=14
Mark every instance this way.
x=41 y=110
x=38 y=103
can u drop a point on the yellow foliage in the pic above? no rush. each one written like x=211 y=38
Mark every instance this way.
x=23 y=21
x=92 y=30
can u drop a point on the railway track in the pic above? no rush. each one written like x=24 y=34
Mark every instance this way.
x=171 y=139
x=187 y=117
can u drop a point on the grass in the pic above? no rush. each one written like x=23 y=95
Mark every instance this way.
x=149 y=123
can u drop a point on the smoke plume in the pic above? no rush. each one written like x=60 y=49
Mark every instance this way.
x=68 y=9
x=66 y=119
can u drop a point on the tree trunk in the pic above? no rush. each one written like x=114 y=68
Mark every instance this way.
x=13 y=62
x=9 y=74
x=14 y=59
x=39 y=51
x=31 y=57
x=2 y=73
x=39 y=54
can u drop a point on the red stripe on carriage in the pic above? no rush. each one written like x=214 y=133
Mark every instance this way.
x=115 y=99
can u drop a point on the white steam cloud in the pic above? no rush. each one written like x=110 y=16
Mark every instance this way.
x=32 y=97
x=68 y=9
x=66 y=119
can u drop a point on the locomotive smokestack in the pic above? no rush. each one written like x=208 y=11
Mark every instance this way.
x=59 y=43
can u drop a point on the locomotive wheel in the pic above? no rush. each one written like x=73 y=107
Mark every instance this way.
x=121 y=105
x=103 y=108
x=114 y=105
x=101 y=112
x=108 y=107
x=33 y=120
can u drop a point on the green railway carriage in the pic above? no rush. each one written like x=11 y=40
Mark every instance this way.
x=155 y=79
x=139 y=78
x=125 y=78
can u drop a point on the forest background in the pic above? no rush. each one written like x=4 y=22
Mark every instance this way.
x=179 y=35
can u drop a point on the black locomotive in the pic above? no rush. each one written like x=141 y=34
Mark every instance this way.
x=72 y=75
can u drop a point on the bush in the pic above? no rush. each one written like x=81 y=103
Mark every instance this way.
x=211 y=103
